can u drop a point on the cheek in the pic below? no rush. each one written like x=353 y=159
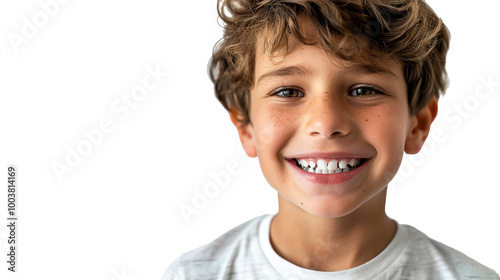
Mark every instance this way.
x=386 y=126
x=272 y=128
x=386 y=132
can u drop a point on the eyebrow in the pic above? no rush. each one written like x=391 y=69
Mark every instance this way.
x=286 y=71
x=371 y=69
x=361 y=68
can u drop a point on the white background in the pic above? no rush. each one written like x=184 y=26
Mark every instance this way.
x=116 y=214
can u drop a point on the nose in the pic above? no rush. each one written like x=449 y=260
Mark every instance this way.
x=327 y=117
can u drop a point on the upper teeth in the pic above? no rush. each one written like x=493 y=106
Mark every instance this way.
x=328 y=166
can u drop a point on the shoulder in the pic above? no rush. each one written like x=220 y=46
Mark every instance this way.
x=222 y=254
x=440 y=259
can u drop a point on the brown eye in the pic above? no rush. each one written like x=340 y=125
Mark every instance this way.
x=289 y=92
x=364 y=91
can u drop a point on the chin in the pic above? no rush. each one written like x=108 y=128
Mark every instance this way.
x=329 y=209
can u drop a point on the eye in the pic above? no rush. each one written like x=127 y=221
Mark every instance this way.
x=365 y=91
x=287 y=92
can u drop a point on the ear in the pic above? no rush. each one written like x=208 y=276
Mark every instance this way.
x=420 y=125
x=246 y=133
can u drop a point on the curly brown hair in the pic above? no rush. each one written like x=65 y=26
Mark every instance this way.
x=407 y=31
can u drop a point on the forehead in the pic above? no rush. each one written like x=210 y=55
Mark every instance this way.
x=348 y=55
x=306 y=60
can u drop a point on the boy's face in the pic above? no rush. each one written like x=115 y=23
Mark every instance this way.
x=311 y=108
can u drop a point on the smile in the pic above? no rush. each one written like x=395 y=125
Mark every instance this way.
x=328 y=166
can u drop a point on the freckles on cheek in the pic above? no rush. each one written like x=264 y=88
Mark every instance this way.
x=273 y=127
x=386 y=125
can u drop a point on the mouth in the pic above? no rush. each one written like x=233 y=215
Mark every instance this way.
x=328 y=166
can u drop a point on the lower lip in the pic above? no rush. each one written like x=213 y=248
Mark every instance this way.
x=329 y=179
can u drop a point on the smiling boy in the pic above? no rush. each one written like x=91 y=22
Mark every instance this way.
x=329 y=94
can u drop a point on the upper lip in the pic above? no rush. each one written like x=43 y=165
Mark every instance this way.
x=329 y=155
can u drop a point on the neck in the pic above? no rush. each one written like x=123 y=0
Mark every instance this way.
x=331 y=244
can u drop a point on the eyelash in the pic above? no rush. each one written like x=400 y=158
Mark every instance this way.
x=279 y=90
x=374 y=90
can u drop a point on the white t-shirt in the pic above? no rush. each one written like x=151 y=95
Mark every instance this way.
x=245 y=252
